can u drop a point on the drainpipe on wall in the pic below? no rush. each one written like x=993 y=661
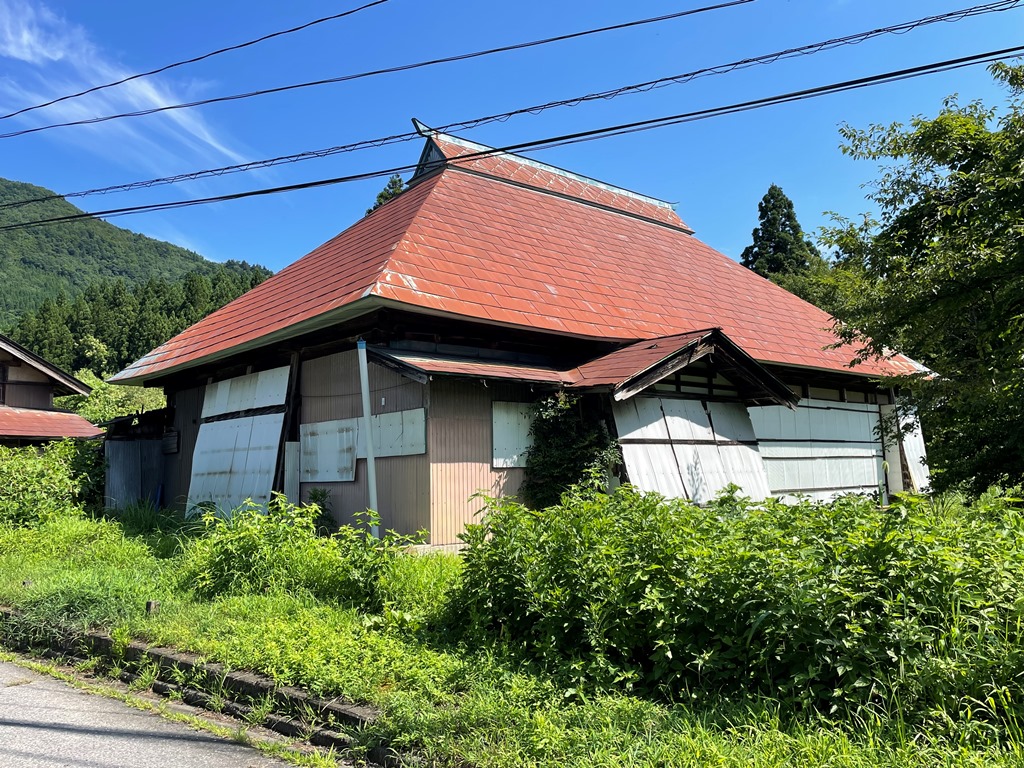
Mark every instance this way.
x=371 y=466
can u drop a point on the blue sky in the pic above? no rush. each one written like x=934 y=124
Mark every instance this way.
x=715 y=171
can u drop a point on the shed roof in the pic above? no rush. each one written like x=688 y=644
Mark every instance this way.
x=515 y=243
x=29 y=424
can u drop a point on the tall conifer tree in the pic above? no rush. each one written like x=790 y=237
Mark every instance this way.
x=779 y=246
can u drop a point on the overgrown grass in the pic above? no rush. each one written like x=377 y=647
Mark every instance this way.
x=524 y=655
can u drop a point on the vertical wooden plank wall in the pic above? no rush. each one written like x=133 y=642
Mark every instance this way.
x=330 y=391
x=188 y=405
x=28 y=388
x=460 y=451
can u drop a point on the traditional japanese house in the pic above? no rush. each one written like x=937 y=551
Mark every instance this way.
x=490 y=282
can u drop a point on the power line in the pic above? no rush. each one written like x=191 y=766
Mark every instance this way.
x=195 y=59
x=565 y=139
x=679 y=79
x=372 y=73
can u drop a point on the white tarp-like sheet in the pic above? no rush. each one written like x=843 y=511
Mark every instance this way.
x=235 y=460
x=912 y=443
x=682 y=449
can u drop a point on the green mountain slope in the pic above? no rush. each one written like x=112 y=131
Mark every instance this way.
x=38 y=262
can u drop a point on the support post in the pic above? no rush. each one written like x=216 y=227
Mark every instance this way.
x=371 y=465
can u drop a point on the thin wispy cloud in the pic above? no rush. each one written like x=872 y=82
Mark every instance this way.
x=52 y=56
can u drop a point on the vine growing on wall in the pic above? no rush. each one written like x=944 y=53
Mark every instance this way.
x=570 y=441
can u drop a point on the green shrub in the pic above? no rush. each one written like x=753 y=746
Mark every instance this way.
x=913 y=610
x=36 y=484
x=252 y=551
x=415 y=590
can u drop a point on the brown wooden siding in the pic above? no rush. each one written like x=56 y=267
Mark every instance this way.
x=330 y=391
x=459 y=444
x=188 y=407
x=26 y=387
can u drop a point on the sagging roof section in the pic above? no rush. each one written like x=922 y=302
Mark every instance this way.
x=30 y=424
x=626 y=371
x=498 y=243
x=64 y=383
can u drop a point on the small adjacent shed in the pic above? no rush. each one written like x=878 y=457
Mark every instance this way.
x=28 y=384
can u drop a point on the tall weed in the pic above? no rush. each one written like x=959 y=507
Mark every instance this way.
x=253 y=552
x=911 y=611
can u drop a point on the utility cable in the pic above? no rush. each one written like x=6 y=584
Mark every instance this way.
x=606 y=95
x=372 y=73
x=565 y=139
x=193 y=60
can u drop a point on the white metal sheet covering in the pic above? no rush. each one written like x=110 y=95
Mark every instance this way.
x=254 y=390
x=510 y=433
x=912 y=443
x=682 y=449
x=330 y=448
x=821 y=450
x=235 y=460
x=328 y=451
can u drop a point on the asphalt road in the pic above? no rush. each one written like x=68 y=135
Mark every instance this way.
x=46 y=723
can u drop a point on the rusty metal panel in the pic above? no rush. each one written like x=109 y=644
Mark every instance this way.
x=177 y=468
x=328 y=452
x=459 y=445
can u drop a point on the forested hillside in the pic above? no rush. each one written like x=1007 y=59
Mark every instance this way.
x=38 y=262
x=112 y=323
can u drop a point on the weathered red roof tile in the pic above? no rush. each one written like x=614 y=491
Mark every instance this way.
x=521 y=249
x=27 y=423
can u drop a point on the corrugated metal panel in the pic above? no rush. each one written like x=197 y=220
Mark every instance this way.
x=330 y=448
x=242 y=393
x=459 y=445
x=133 y=472
x=330 y=389
x=403 y=494
x=912 y=442
x=689 y=449
x=235 y=460
x=822 y=449
x=177 y=473
x=510 y=423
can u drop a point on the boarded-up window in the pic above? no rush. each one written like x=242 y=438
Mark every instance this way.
x=510 y=430
x=821 y=450
x=330 y=448
x=689 y=449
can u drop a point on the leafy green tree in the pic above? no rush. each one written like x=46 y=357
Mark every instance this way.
x=392 y=189
x=779 y=246
x=108 y=401
x=939 y=275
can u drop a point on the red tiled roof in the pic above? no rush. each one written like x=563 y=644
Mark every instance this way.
x=28 y=423
x=555 y=180
x=475 y=367
x=479 y=247
x=622 y=364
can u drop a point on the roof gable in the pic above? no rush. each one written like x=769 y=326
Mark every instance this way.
x=64 y=383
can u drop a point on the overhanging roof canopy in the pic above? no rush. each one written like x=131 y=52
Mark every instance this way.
x=626 y=371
